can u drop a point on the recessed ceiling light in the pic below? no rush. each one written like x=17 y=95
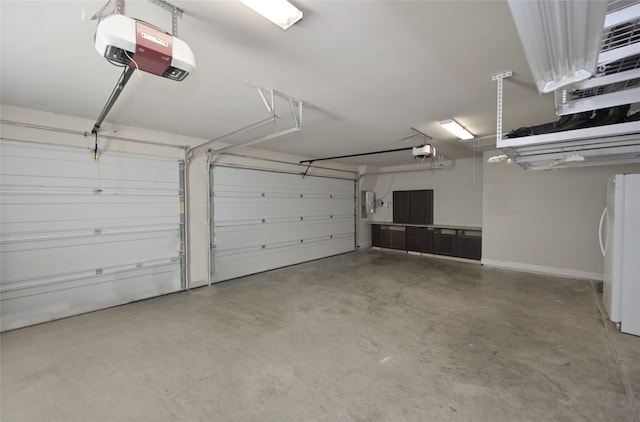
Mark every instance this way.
x=280 y=12
x=455 y=128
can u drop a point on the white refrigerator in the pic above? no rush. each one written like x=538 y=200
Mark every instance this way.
x=620 y=244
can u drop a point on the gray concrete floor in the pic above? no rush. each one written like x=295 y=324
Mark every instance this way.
x=372 y=336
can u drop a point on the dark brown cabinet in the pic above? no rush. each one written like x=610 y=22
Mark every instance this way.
x=445 y=242
x=375 y=235
x=398 y=239
x=420 y=239
x=456 y=242
x=413 y=206
x=421 y=206
x=401 y=207
x=385 y=238
x=414 y=239
x=470 y=244
x=392 y=237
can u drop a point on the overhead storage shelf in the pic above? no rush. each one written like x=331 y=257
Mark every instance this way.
x=613 y=92
x=611 y=144
x=617 y=81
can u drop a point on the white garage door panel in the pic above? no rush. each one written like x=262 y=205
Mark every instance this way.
x=27 y=305
x=257 y=235
x=253 y=205
x=20 y=212
x=250 y=260
x=264 y=220
x=66 y=247
x=42 y=257
x=51 y=166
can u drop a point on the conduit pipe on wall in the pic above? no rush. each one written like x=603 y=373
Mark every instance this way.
x=440 y=166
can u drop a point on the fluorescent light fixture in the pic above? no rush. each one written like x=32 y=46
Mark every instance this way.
x=453 y=127
x=561 y=39
x=280 y=12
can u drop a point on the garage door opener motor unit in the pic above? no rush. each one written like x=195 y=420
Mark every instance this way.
x=423 y=151
x=136 y=45
x=126 y=41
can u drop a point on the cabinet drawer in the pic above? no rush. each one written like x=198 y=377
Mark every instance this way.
x=445 y=242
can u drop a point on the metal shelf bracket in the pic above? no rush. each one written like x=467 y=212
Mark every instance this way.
x=120 y=7
x=499 y=77
x=175 y=11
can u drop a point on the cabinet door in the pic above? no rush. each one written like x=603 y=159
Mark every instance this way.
x=470 y=244
x=414 y=239
x=385 y=237
x=401 y=207
x=427 y=240
x=421 y=206
x=398 y=240
x=375 y=235
x=444 y=242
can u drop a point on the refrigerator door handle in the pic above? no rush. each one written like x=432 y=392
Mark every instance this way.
x=603 y=248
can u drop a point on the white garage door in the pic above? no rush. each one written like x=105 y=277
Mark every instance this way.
x=80 y=235
x=263 y=220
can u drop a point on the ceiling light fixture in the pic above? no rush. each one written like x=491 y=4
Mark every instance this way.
x=561 y=39
x=455 y=128
x=280 y=12
x=497 y=158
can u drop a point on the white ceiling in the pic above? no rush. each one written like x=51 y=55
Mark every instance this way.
x=370 y=69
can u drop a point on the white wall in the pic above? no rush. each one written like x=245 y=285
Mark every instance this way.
x=197 y=206
x=457 y=191
x=545 y=221
x=367 y=183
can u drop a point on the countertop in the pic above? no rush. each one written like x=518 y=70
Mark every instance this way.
x=438 y=226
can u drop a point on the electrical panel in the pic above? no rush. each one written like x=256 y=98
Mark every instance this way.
x=370 y=202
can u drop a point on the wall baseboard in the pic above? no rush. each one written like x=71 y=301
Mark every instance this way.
x=428 y=255
x=541 y=269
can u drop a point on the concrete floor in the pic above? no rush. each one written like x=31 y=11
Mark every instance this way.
x=372 y=336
